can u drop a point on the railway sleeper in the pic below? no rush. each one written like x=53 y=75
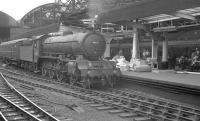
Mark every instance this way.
x=160 y=105
x=128 y=115
x=104 y=108
x=18 y=118
x=97 y=105
x=142 y=119
x=32 y=111
x=170 y=116
x=14 y=113
x=18 y=102
x=26 y=107
x=114 y=111
x=86 y=102
x=10 y=97
x=172 y=111
x=7 y=109
x=15 y=100
x=188 y=118
x=187 y=113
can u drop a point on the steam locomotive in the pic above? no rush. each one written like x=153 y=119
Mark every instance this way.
x=76 y=57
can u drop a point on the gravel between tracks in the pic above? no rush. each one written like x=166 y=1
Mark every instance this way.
x=59 y=105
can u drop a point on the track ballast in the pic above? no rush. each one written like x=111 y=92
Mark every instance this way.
x=14 y=106
x=124 y=103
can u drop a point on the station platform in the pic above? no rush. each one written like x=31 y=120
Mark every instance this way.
x=165 y=77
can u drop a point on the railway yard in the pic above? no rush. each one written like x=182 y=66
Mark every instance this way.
x=74 y=103
x=100 y=60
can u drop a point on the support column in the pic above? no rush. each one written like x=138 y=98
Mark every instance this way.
x=122 y=28
x=135 y=50
x=107 y=51
x=165 y=50
x=154 y=48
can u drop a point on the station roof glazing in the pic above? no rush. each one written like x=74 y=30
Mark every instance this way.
x=192 y=12
x=152 y=11
x=7 y=21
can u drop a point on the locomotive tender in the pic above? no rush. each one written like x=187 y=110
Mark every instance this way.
x=77 y=57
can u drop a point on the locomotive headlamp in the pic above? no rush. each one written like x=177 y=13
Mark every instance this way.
x=89 y=64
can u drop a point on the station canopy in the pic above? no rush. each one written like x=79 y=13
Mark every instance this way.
x=186 y=13
x=152 y=11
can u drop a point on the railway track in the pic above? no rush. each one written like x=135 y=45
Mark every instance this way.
x=16 y=107
x=127 y=104
x=157 y=106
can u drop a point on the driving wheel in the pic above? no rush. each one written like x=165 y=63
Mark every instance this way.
x=51 y=74
x=86 y=82
x=44 y=71
x=59 y=76
x=72 y=80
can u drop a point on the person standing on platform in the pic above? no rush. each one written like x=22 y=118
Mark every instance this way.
x=195 y=57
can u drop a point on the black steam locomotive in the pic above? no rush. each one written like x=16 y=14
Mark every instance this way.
x=74 y=57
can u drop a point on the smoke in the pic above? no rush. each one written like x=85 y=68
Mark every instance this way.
x=95 y=7
x=98 y=6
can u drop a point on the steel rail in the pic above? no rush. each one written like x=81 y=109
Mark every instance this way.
x=139 y=102
x=14 y=97
x=155 y=102
x=4 y=118
x=151 y=105
x=153 y=109
x=18 y=113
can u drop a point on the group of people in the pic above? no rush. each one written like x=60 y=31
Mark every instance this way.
x=190 y=62
x=195 y=61
x=138 y=65
x=121 y=61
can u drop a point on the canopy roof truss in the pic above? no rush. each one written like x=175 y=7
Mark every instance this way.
x=186 y=13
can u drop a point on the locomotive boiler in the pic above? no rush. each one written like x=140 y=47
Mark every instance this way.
x=89 y=45
x=74 y=57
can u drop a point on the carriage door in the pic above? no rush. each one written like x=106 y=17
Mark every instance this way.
x=36 y=49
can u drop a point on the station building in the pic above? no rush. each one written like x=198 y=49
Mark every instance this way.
x=6 y=22
x=163 y=35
